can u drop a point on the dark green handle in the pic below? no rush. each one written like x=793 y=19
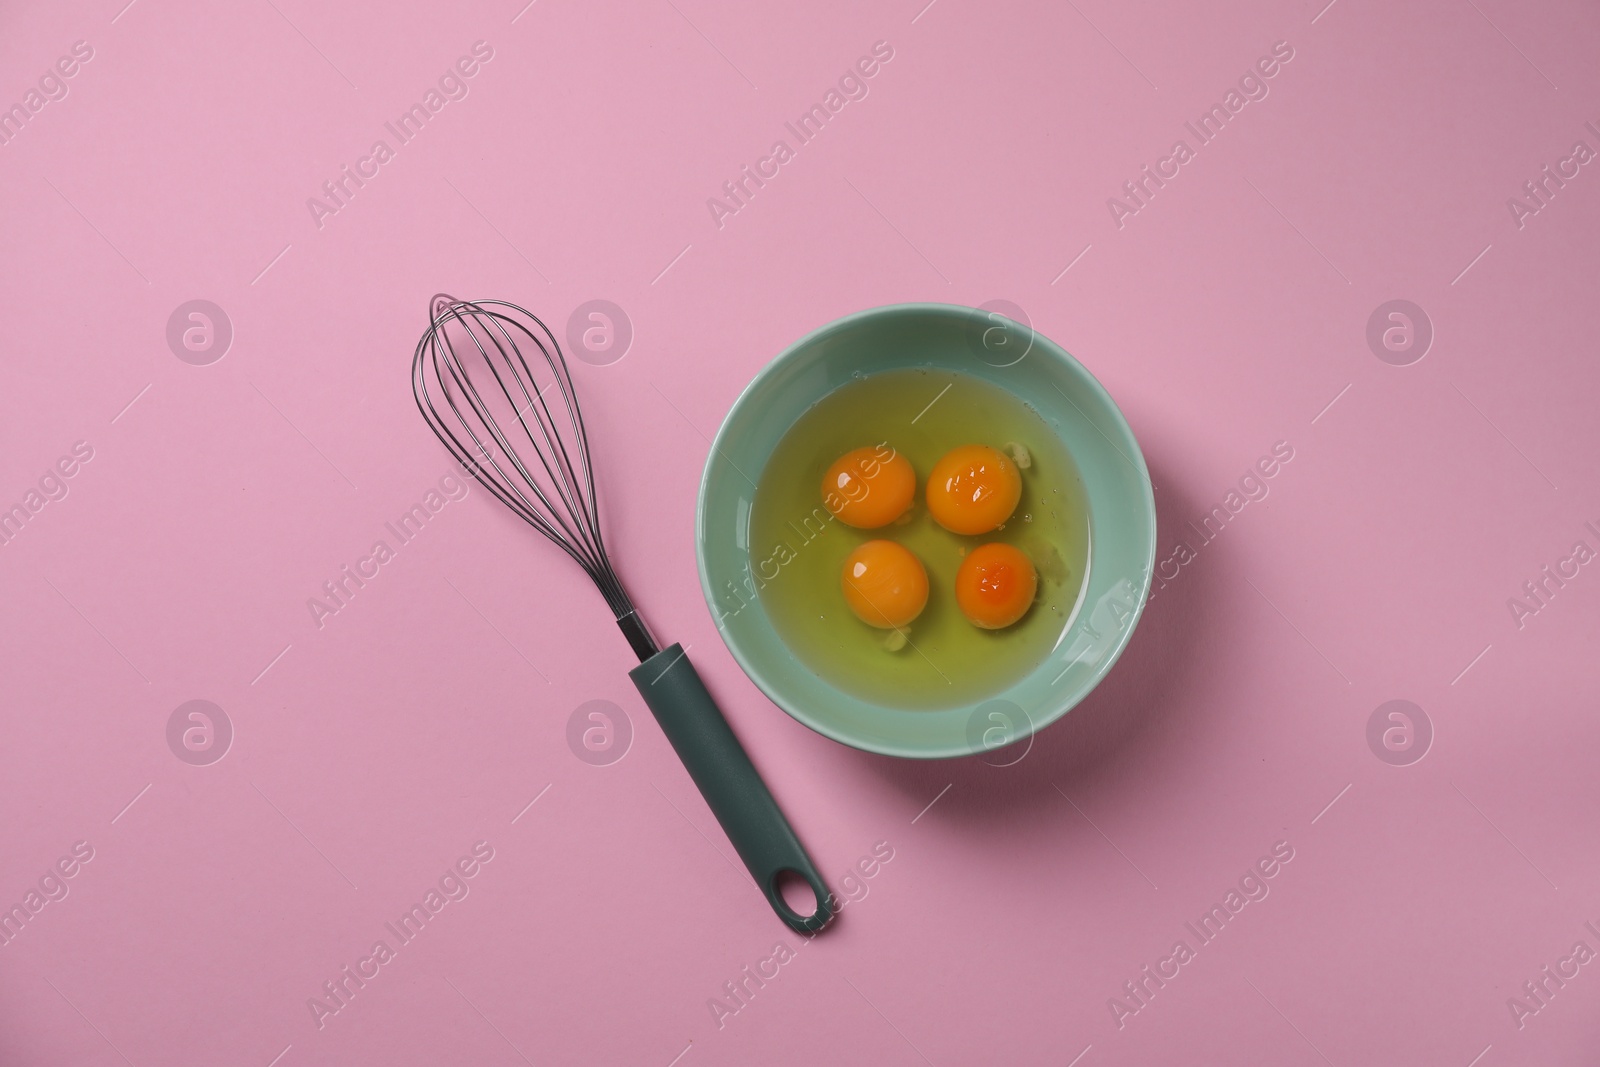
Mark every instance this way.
x=729 y=782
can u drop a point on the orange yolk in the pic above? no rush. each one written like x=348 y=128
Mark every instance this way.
x=995 y=585
x=884 y=584
x=973 y=489
x=869 y=487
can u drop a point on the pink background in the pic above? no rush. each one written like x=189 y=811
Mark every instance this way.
x=371 y=753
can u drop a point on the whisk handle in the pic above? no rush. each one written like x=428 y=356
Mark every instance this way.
x=729 y=782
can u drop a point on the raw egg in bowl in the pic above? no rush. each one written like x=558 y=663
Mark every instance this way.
x=948 y=543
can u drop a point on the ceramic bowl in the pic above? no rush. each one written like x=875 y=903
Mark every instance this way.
x=1006 y=353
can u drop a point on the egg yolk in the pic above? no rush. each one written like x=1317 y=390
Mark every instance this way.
x=884 y=584
x=869 y=487
x=973 y=489
x=995 y=585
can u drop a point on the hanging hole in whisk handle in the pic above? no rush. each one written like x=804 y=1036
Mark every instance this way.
x=800 y=899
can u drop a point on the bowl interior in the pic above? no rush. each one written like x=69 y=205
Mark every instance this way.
x=998 y=350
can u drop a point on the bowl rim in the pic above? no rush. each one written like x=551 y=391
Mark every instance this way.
x=774 y=692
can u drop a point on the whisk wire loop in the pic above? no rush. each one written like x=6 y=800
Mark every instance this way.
x=475 y=388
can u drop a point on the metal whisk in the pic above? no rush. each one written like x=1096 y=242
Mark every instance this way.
x=490 y=399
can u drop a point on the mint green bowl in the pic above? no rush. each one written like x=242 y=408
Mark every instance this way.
x=1122 y=521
